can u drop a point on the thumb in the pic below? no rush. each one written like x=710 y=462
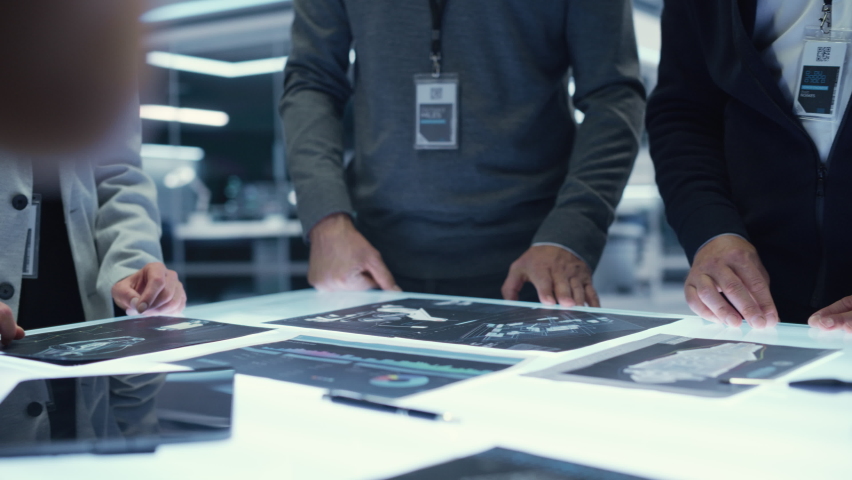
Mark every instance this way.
x=513 y=284
x=124 y=295
x=382 y=276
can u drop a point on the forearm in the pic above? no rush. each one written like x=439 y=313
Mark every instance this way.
x=601 y=160
x=686 y=129
x=314 y=138
x=127 y=227
x=316 y=89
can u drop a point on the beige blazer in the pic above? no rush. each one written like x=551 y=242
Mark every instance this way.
x=110 y=210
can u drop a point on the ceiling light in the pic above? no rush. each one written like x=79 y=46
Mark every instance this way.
x=201 y=7
x=196 y=116
x=219 y=68
x=171 y=152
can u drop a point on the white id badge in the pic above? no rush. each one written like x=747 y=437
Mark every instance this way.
x=436 y=112
x=33 y=233
x=822 y=68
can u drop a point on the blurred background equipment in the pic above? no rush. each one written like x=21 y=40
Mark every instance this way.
x=213 y=136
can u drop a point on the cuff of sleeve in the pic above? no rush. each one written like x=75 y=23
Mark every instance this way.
x=115 y=273
x=575 y=233
x=315 y=207
x=717 y=236
x=707 y=223
x=563 y=247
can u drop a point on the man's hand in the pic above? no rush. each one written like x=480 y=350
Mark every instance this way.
x=9 y=330
x=342 y=259
x=153 y=290
x=730 y=265
x=557 y=274
x=836 y=316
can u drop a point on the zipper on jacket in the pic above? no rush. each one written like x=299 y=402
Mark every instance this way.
x=819 y=290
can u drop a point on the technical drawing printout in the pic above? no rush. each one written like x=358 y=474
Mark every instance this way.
x=505 y=464
x=694 y=366
x=481 y=324
x=369 y=369
x=123 y=338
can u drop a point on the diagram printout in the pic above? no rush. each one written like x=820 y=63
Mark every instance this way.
x=694 y=366
x=123 y=338
x=505 y=464
x=366 y=368
x=481 y=324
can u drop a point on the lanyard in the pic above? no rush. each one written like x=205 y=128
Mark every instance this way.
x=437 y=7
x=825 y=21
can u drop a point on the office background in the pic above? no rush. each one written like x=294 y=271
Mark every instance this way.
x=212 y=141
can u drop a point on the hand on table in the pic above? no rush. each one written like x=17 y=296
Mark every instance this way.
x=342 y=259
x=836 y=316
x=9 y=329
x=730 y=265
x=558 y=276
x=153 y=290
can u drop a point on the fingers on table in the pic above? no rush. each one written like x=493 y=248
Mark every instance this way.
x=155 y=281
x=514 y=283
x=836 y=316
x=9 y=330
x=544 y=285
x=756 y=283
x=709 y=296
x=123 y=293
x=171 y=299
x=381 y=275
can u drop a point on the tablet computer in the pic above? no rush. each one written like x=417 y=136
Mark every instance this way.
x=117 y=413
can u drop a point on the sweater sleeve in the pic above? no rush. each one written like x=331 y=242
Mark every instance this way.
x=316 y=89
x=686 y=128
x=605 y=66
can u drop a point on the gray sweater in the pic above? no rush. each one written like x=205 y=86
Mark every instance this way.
x=524 y=173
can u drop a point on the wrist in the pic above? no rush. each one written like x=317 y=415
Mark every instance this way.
x=330 y=225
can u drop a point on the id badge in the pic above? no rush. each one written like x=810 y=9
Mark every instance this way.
x=436 y=112
x=33 y=234
x=822 y=68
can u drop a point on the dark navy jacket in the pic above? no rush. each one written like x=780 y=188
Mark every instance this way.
x=731 y=157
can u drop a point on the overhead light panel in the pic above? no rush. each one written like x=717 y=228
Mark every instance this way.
x=219 y=68
x=172 y=152
x=165 y=113
x=197 y=8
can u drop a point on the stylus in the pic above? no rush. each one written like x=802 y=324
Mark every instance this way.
x=361 y=402
x=816 y=382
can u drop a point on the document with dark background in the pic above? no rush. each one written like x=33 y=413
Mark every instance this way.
x=365 y=368
x=693 y=366
x=123 y=338
x=503 y=464
x=481 y=324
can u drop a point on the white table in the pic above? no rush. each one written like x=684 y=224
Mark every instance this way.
x=287 y=431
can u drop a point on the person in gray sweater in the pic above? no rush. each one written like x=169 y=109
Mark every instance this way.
x=525 y=195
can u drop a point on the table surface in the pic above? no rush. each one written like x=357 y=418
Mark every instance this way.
x=289 y=431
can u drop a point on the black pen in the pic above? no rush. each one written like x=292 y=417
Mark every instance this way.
x=347 y=398
x=816 y=382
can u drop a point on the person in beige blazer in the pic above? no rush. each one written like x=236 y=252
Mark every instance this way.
x=109 y=210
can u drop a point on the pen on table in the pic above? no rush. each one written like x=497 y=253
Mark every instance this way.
x=816 y=382
x=362 y=402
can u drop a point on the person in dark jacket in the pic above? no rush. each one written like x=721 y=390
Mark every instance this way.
x=757 y=190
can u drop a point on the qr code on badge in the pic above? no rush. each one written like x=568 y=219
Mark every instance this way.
x=436 y=93
x=823 y=54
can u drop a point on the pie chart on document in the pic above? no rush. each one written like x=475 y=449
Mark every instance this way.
x=399 y=380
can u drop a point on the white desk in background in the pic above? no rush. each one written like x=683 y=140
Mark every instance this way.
x=270 y=241
x=286 y=430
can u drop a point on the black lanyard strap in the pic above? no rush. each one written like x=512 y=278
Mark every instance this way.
x=825 y=21
x=437 y=7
